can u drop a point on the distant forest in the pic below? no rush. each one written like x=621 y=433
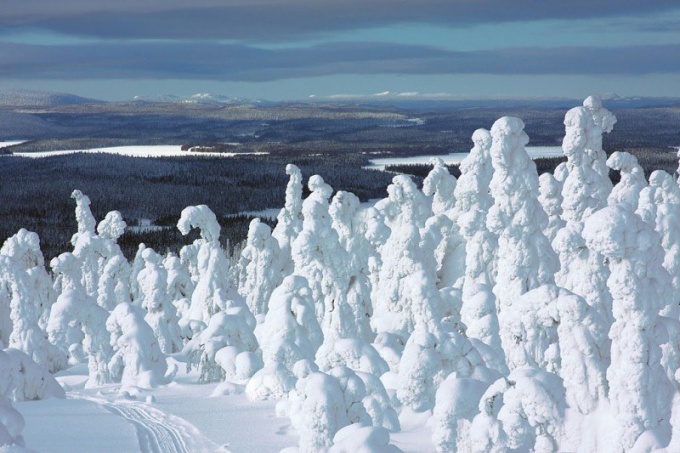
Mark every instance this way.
x=334 y=141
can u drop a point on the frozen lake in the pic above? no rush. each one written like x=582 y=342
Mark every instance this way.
x=456 y=158
x=132 y=151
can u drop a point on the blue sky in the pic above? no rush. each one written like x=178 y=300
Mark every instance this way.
x=293 y=49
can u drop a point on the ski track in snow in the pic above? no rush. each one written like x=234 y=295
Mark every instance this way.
x=158 y=432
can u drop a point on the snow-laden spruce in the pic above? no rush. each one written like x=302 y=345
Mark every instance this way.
x=632 y=180
x=289 y=220
x=587 y=184
x=640 y=389
x=525 y=258
x=161 y=314
x=137 y=359
x=290 y=333
x=75 y=306
x=259 y=268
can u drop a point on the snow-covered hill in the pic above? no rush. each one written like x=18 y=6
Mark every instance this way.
x=501 y=311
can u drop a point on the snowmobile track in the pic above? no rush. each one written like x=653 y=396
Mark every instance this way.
x=155 y=432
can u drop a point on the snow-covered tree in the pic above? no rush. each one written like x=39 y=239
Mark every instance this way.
x=259 y=267
x=440 y=185
x=632 y=179
x=473 y=201
x=75 y=309
x=551 y=199
x=523 y=412
x=161 y=314
x=639 y=388
x=289 y=220
x=212 y=264
x=137 y=359
x=525 y=258
x=24 y=250
x=587 y=184
x=289 y=333
x=113 y=286
x=87 y=246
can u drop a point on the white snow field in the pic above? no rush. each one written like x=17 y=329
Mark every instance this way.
x=501 y=311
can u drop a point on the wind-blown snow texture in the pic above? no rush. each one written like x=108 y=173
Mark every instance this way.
x=502 y=311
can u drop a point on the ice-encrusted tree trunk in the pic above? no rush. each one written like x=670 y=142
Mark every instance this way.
x=259 y=268
x=289 y=220
x=75 y=306
x=161 y=314
x=639 y=389
x=632 y=180
x=526 y=259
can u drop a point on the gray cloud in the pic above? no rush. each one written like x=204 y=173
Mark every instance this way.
x=269 y=20
x=167 y=60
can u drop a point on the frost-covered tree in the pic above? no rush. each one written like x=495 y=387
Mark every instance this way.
x=632 y=179
x=473 y=201
x=87 y=246
x=212 y=264
x=440 y=185
x=24 y=250
x=227 y=347
x=135 y=269
x=525 y=258
x=523 y=412
x=405 y=204
x=75 y=309
x=587 y=184
x=639 y=388
x=289 y=220
x=659 y=206
x=289 y=333
x=137 y=359
x=456 y=406
x=113 y=286
x=320 y=258
x=349 y=224
x=259 y=268
x=180 y=286
x=161 y=314
x=21 y=330
x=551 y=199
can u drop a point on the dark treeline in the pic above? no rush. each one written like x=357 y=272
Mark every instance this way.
x=35 y=193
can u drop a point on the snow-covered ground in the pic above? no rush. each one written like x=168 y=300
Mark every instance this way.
x=133 y=151
x=456 y=158
x=10 y=143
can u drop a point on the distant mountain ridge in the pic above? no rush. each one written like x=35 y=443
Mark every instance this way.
x=198 y=98
x=36 y=98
